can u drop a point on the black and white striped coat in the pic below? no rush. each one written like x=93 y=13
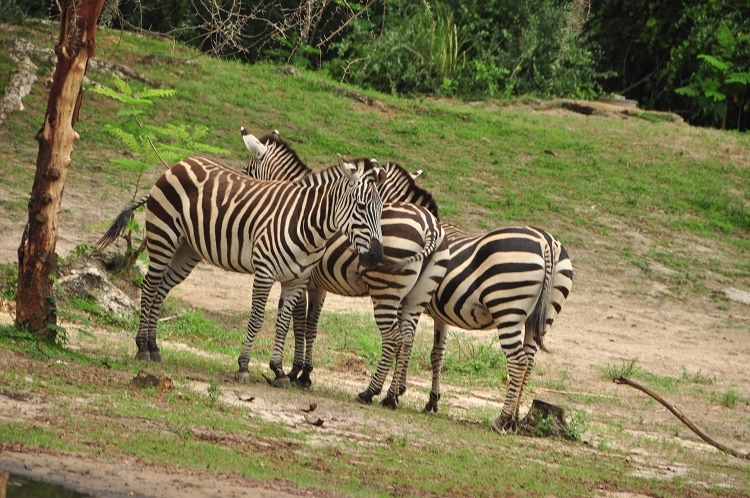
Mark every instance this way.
x=512 y=280
x=399 y=292
x=202 y=210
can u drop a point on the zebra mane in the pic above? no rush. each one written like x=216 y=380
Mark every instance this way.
x=417 y=195
x=300 y=168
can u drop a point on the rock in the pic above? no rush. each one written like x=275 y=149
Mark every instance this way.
x=88 y=281
x=737 y=295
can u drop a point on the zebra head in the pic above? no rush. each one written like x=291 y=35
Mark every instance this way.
x=361 y=208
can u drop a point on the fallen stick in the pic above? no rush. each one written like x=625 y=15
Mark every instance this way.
x=677 y=413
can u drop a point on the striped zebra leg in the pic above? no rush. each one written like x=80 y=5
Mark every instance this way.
x=291 y=294
x=386 y=316
x=315 y=300
x=158 y=282
x=398 y=384
x=299 y=325
x=413 y=305
x=261 y=288
x=518 y=367
x=437 y=356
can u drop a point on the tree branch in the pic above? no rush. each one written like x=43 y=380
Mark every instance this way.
x=677 y=413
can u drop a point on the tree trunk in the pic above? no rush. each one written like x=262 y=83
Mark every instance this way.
x=37 y=260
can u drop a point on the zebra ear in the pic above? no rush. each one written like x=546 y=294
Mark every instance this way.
x=252 y=143
x=415 y=174
x=349 y=169
x=381 y=175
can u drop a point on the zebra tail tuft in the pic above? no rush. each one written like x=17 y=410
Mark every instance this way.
x=119 y=224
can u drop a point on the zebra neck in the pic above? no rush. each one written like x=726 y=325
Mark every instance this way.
x=332 y=208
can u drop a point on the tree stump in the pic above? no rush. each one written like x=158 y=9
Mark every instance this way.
x=544 y=420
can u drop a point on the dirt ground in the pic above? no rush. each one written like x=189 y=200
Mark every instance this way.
x=602 y=324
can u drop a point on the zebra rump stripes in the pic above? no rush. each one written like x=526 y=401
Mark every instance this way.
x=201 y=209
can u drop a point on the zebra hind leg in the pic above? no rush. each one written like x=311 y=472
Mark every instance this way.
x=513 y=347
x=291 y=293
x=437 y=356
x=316 y=299
x=409 y=321
x=387 y=319
x=157 y=284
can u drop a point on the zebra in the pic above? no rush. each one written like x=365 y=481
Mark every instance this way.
x=515 y=280
x=399 y=293
x=201 y=209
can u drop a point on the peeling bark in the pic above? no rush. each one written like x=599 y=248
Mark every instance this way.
x=37 y=259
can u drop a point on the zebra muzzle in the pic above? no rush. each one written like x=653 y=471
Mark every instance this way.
x=373 y=256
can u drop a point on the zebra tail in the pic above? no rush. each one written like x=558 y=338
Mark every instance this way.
x=119 y=224
x=538 y=318
x=427 y=250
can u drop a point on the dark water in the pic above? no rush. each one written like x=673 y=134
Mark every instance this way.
x=25 y=487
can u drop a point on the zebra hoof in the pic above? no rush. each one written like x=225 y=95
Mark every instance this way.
x=505 y=424
x=304 y=381
x=432 y=404
x=243 y=376
x=156 y=356
x=282 y=382
x=365 y=398
x=390 y=402
x=143 y=356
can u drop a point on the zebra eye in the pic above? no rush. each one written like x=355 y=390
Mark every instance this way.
x=361 y=205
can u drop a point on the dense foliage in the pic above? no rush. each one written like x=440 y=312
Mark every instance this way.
x=688 y=57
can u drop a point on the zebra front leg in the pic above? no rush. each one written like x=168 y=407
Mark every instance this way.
x=290 y=294
x=437 y=356
x=299 y=325
x=261 y=288
x=512 y=345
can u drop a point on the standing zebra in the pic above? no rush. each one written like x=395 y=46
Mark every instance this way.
x=514 y=280
x=200 y=209
x=399 y=293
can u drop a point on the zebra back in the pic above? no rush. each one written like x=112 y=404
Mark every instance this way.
x=283 y=163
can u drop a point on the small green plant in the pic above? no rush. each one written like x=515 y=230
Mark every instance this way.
x=8 y=281
x=697 y=378
x=214 y=392
x=624 y=370
x=730 y=399
x=468 y=358
x=148 y=145
x=713 y=85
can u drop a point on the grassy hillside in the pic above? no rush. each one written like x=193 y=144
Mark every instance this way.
x=644 y=190
x=648 y=205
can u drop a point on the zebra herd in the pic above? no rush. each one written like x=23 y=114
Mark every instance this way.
x=357 y=228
